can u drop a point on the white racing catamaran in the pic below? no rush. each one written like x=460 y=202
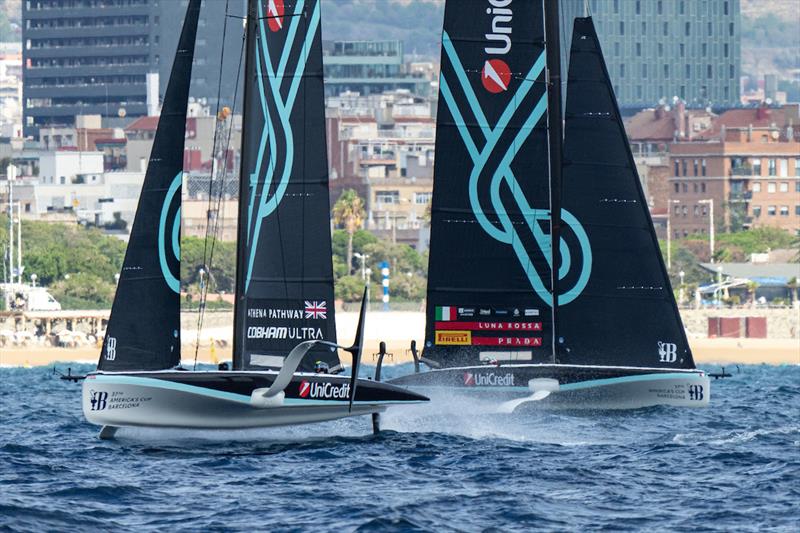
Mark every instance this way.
x=546 y=285
x=285 y=353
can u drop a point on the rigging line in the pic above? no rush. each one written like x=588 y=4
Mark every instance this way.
x=207 y=268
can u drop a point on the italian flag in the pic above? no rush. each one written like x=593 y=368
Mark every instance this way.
x=445 y=313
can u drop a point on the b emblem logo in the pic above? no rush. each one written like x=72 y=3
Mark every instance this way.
x=111 y=349
x=696 y=392
x=667 y=352
x=98 y=400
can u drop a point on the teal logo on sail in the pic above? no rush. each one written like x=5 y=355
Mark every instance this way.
x=169 y=235
x=279 y=164
x=503 y=174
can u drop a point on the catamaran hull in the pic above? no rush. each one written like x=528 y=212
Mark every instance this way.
x=223 y=400
x=564 y=386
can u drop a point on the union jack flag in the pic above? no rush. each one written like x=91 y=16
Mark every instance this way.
x=316 y=309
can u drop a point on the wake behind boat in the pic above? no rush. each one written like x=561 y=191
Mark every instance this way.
x=546 y=285
x=283 y=315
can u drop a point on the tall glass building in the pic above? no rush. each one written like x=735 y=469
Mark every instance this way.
x=660 y=49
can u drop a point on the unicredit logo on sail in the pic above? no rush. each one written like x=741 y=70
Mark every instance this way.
x=496 y=74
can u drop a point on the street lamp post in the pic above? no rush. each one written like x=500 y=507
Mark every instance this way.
x=669 y=233
x=710 y=202
x=680 y=292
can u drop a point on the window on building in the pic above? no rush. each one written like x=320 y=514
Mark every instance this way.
x=709 y=29
x=797 y=167
x=387 y=197
x=704 y=48
x=703 y=167
x=797 y=186
x=695 y=187
x=771 y=167
x=665 y=29
x=666 y=71
x=622 y=70
x=695 y=166
x=638 y=49
x=683 y=166
x=677 y=173
x=622 y=27
x=705 y=210
x=784 y=210
x=688 y=73
x=784 y=186
x=685 y=210
x=757 y=167
x=644 y=70
x=696 y=210
x=638 y=7
x=616 y=6
x=797 y=210
x=756 y=211
x=660 y=49
x=703 y=187
x=725 y=49
x=709 y=72
x=617 y=50
x=422 y=197
x=771 y=210
x=660 y=7
x=725 y=7
x=687 y=29
x=639 y=91
x=677 y=210
x=757 y=186
x=771 y=186
x=685 y=187
x=730 y=29
x=644 y=28
x=784 y=168
x=681 y=49
x=680 y=7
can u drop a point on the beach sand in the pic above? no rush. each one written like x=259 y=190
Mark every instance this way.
x=717 y=351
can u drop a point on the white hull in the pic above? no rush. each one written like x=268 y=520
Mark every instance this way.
x=120 y=400
x=564 y=387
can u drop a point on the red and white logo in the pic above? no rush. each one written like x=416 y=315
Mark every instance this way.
x=496 y=75
x=469 y=380
x=275 y=15
x=305 y=387
x=316 y=309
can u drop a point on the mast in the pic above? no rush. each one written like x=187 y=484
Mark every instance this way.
x=556 y=139
x=242 y=229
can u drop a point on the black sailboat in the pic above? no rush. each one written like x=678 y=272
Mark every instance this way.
x=284 y=317
x=565 y=294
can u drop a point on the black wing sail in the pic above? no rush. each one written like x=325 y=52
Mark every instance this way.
x=285 y=270
x=489 y=287
x=144 y=327
x=626 y=314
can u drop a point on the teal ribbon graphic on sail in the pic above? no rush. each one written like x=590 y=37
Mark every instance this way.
x=506 y=232
x=274 y=126
x=169 y=234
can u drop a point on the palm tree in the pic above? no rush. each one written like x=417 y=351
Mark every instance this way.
x=348 y=211
x=751 y=288
x=793 y=284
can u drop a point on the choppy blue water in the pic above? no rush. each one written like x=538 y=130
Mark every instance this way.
x=734 y=466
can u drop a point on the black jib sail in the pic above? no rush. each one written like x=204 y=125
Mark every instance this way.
x=626 y=314
x=489 y=286
x=285 y=273
x=144 y=327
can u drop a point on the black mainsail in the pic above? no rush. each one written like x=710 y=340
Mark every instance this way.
x=143 y=330
x=626 y=315
x=284 y=292
x=489 y=282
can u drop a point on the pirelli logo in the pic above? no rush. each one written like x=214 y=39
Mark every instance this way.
x=452 y=338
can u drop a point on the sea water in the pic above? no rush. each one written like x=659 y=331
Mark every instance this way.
x=446 y=467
